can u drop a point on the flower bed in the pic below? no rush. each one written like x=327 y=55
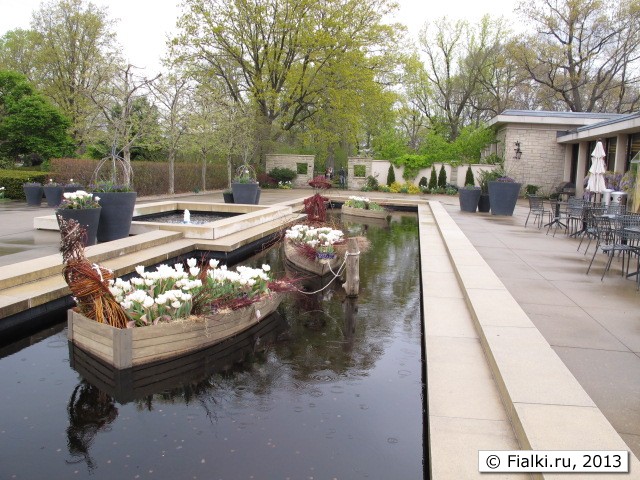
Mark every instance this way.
x=363 y=207
x=313 y=248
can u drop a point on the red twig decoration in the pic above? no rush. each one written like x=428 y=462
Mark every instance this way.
x=89 y=283
x=316 y=208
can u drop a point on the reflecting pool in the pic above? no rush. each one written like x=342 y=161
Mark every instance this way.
x=331 y=388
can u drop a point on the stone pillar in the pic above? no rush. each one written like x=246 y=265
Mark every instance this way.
x=620 y=162
x=583 y=156
x=568 y=154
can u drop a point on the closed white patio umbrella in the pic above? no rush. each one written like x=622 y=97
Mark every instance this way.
x=596 y=183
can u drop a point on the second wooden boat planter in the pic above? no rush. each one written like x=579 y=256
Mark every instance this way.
x=363 y=212
x=317 y=266
x=124 y=348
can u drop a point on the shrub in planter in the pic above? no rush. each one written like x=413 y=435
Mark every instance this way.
x=468 y=178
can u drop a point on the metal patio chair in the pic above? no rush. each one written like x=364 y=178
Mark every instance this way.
x=537 y=208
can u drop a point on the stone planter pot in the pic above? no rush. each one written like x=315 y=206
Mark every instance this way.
x=503 y=197
x=228 y=197
x=53 y=194
x=245 y=193
x=469 y=198
x=89 y=218
x=33 y=194
x=484 y=205
x=116 y=215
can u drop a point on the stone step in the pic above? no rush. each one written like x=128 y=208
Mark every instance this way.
x=37 y=269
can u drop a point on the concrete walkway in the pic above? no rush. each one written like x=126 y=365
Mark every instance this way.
x=593 y=325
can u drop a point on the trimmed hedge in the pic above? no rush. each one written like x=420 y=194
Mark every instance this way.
x=12 y=181
x=149 y=178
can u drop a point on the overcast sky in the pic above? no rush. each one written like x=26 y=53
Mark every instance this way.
x=144 y=24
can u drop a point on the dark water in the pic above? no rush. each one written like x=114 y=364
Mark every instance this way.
x=333 y=392
x=195 y=218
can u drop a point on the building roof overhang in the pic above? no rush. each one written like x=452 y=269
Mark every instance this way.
x=624 y=124
x=561 y=120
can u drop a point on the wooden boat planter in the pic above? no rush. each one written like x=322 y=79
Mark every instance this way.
x=165 y=375
x=131 y=347
x=318 y=266
x=363 y=212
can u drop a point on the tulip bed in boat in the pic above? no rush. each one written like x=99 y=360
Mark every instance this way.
x=175 y=310
x=363 y=207
x=312 y=249
x=130 y=347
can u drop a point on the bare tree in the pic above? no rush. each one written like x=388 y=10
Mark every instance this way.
x=173 y=92
x=124 y=123
x=585 y=53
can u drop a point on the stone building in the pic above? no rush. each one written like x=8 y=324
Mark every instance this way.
x=548 y=148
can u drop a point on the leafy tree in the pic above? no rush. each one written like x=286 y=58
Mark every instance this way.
x=458 y=55
x=442 y=177
x=468 y=178
x=18 y=52
x=285 y=57
x=29 y=124
x=391 y=175
x=584 y=54
x=433 y=180
x=75 y=50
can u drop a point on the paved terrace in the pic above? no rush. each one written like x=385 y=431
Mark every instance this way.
x=523 y=349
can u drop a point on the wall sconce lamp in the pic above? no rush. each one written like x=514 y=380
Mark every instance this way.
x=518 y=152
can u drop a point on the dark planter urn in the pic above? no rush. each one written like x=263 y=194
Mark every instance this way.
x=72 y=187
x=89 y=218
x=245 y=193
x=503 y=197
x=484 y=205
x=33 y=194
x=116 y=215
x=469 y=198
x=53 y=194
x=228 y=197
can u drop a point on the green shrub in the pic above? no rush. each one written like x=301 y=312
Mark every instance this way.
x=391 y=175
x=442 y=177
x=423 y=182
x=372 y=183
x=12 y=181
x=302 y=168
x=468 y=179
x=282 y=174
x=433 y=180
x=359 y=171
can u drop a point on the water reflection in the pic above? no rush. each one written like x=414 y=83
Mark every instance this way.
x=90 y=411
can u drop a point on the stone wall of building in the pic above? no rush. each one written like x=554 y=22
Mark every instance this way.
x=291 y=162
x=542 y=159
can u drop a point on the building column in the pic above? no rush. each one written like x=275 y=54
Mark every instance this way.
x=568 y=151
x=620 y=162
x=583 y=155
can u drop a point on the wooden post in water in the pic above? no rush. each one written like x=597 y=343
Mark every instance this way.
x=352 y=284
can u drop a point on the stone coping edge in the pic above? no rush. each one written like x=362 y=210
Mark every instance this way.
x=547 y=406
